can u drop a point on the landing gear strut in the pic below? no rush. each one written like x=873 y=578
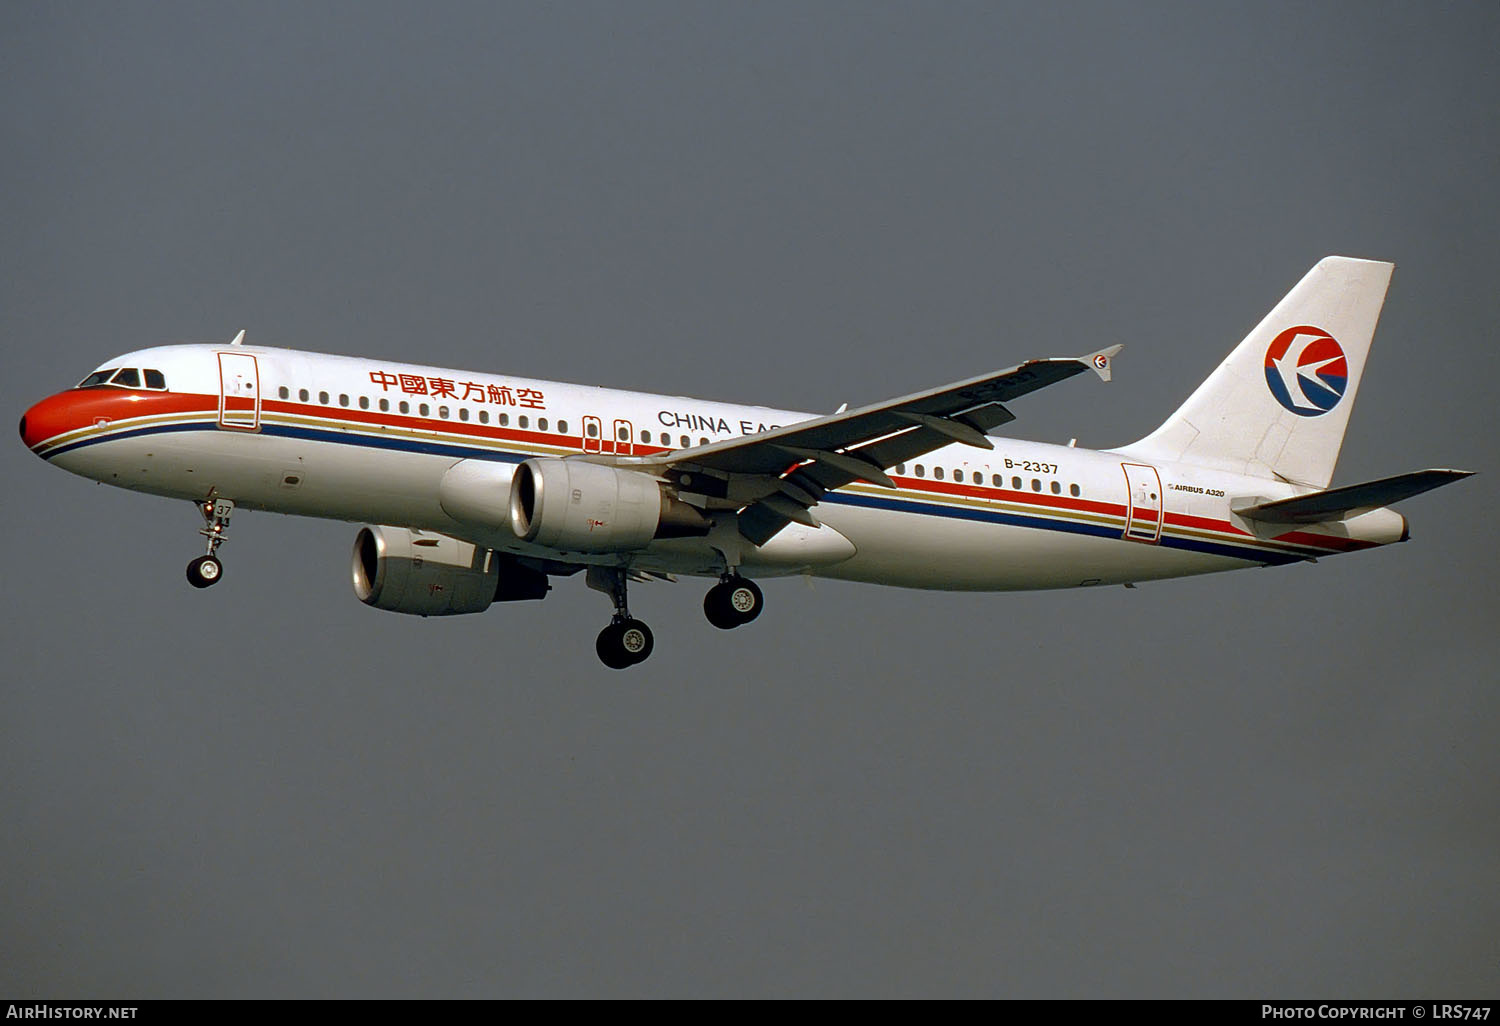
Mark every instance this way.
x=733 y=602
x=626 y=641
x=206 y=569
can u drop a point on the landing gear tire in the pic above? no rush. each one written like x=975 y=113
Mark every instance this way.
x=204 y=571
x=624 y=644
x=732 y=603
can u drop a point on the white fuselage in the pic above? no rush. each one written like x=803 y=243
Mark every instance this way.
x=369 y=441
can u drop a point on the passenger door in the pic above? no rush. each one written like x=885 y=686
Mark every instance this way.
x=239 y=392
x=1144 y=502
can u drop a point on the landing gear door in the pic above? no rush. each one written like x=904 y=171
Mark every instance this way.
x=239 y=392
x=1143 y=510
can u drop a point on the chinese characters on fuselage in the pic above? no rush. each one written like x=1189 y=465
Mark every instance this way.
x=472 y=391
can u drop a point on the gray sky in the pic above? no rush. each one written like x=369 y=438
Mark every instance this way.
x=1279 y=782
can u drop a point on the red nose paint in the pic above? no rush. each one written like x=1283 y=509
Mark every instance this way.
x=83 y=407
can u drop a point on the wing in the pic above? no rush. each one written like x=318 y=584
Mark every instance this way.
x=775 y=478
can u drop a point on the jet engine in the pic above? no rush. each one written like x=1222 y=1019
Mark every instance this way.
x=429 y=574
x=576 y=506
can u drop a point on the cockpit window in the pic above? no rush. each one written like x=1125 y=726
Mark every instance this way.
x=127 y=377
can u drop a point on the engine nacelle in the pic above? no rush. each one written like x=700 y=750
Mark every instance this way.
x=477 y=492
x=422 y=573
x=575 y=506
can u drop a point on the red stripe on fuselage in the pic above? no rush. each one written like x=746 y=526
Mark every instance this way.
x=1111 y=509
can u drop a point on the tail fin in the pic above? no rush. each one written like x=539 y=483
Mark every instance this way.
x=1278 y=406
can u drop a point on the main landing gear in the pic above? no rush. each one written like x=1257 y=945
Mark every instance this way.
x=733 y=602
x=626 y=641
x=206 y=569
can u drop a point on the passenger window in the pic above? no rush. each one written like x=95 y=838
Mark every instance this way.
x=541 y=423
x=404 y=407
x=646 y=437
x=523 y=420
x=424 y=409
x=385 y=405
x=1036 y=485
x=343 y=399
x=128 y=378
x=562 y=427
x=978 y=478
x=443 y=412
x=623 y=434
x=1056 y=488
x=666 y=439
x=323 y=398
x=484 y=416
x=921 y=470
x=703 y=441
x=1015 y=483
x=302 y=394
x=937 y=473
x=155 y=380
x=284 y=392
x=504 y=419
x=1073 y=489
x=997 y=481
x=463 y=413
x=364 y=402
x=901 y=468
x=591 y=429
x=687 y=443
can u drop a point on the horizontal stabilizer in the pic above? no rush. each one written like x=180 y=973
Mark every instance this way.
x=1351 y=500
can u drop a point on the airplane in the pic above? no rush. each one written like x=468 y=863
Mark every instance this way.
x=478 y=488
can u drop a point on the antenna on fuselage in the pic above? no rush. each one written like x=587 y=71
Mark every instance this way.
x=239 y=339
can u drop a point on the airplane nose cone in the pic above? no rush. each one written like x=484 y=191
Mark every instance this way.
x=29 y=433
x=48 y=418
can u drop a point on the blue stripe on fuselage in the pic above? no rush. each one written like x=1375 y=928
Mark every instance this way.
x=1231 y=551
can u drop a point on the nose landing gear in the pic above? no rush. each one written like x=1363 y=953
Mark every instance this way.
x=206 y=570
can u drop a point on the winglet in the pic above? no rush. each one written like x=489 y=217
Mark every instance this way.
x=1101 y=361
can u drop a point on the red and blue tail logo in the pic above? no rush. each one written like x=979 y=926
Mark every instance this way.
x=1306 y=370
